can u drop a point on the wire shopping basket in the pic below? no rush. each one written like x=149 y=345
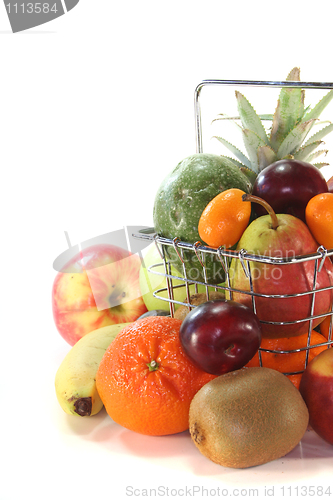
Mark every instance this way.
x=223 y=257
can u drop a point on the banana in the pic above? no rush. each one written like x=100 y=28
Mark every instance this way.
x=75 y=382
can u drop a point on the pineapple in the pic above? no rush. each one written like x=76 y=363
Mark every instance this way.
x=291 y=124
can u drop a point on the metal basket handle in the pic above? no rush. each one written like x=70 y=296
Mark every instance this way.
x=251 y=83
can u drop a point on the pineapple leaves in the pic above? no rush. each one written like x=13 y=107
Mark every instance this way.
x=249 y=174
x=319 y=107
x=252 y=142
x=294 y=75
x=288 y=113
x=289 y=131
x=250 y=119
x=304 y=152
x=320 y=165
x=320 y=134
x=294 y=139
x=235 y=151
x=316 y=154
x=289 y=110
x=236 y=162
x=223 y=116
x=233 y=119
x=266 y=156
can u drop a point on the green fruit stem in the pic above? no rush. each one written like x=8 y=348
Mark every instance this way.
x=256 y=199
x=153 y=365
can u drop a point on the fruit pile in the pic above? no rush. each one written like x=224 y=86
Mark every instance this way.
x=241 y=356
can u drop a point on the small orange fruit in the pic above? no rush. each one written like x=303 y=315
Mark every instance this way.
x=289 y=362
x=325 y=327
x=224 y=219
x=319 y=218
x=146 y=381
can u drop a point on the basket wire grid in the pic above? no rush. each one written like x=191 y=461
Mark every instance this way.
x=200 y=252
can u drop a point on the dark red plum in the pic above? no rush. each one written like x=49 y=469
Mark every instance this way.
x=288 y=185
x=220 y=336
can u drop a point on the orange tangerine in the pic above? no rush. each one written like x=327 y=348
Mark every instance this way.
x=224 y=219
x=325 y=327
x=289 y=362
x=146 y=381
x=319 y=218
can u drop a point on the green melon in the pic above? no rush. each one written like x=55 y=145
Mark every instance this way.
x=181 y=199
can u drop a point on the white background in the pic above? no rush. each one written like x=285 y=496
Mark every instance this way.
x=96 y=108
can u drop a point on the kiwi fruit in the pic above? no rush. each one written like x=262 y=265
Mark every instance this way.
x=247 y=417
x=195 y=300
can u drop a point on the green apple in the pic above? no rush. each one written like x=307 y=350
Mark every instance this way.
x=151 y=282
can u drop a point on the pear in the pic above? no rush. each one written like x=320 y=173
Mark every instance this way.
x=281 y=236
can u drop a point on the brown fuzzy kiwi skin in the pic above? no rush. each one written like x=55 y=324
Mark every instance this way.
x=247 y=417
x=196 y=299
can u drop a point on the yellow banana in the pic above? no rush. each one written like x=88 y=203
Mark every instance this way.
x=75 y=382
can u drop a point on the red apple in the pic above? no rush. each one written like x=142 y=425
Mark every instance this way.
x=330 y=185
x=316 y=388
x=98 y=287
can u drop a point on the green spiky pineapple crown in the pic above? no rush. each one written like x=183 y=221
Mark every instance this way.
x=291 y=124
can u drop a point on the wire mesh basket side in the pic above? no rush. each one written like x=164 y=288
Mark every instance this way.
x=224 y=256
